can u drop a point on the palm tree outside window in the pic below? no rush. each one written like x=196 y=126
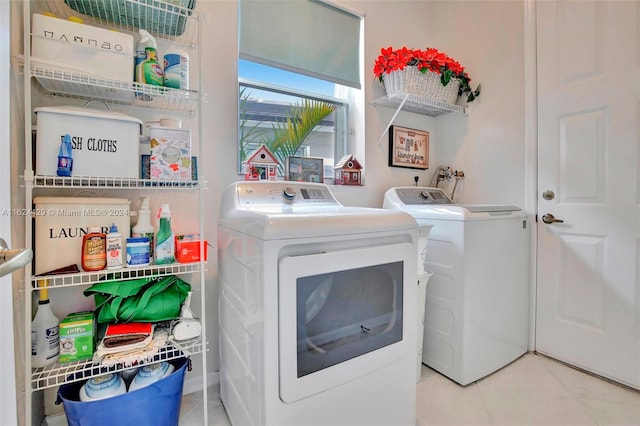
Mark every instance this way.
x=304 y=121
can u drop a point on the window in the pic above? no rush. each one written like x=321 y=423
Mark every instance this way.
x=296 y=93
x=290 y=120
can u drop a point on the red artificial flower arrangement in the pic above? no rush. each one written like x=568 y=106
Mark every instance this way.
x=426 y=60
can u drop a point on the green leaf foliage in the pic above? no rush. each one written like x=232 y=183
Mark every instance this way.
x=290 y=134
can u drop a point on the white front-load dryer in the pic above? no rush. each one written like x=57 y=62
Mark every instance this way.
x=477 y=304
x=317 y=308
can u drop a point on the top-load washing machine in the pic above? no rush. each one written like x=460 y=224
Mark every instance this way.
x=317 y=308
x=477 y=302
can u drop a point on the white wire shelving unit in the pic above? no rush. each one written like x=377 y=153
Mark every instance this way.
x=88 y=278
x=64 y=83
x=60 y=374
x=174 y=21
x=40 y=181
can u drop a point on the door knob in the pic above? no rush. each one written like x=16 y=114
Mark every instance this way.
x=10 y=260
x=549 y=218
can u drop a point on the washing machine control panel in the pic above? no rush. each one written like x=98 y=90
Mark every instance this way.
x=289 y=193
x=283 y=193
x=413 y=196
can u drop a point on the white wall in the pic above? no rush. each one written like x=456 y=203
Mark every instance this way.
x=485 y=36
x=488 y=38
x=7 y=357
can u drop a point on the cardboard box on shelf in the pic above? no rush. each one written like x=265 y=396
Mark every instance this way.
x=188 y=248
x=170 y=152
x=77 y=336
x=145 y=167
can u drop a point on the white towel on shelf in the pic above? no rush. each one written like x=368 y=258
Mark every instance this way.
x=109 y=357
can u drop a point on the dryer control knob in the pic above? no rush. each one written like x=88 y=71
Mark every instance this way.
x=289 y=193
x=424 y=194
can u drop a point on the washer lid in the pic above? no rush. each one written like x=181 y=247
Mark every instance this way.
x=284 y=210
x=433 y=203
x=489 y=208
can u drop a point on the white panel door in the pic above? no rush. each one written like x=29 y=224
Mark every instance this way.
x=588 y=291
x=7 y=365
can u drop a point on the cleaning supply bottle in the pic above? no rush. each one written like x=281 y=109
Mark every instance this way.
x=65 y=157
x=176 y=69
x=114 y=248
x=45 y=336
x=165 y=241
x=94 y=250
x=143 y=227
x=133 y=220
x=147 y=69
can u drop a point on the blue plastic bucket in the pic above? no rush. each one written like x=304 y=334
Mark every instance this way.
x=157 y=404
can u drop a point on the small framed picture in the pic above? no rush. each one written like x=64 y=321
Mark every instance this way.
x=408 y=148
x=304 y=169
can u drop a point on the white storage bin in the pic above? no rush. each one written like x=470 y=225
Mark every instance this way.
x=105 y=144
x=61 y=222
x=60 y=43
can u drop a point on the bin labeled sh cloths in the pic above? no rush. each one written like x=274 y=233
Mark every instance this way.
x=104 y=143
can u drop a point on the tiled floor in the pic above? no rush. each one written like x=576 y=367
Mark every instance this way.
x=533 y=390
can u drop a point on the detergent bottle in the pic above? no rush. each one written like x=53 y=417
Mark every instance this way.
x=143 y=227
x=165 y=241
x=45 y=337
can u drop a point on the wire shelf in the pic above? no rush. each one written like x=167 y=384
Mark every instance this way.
x=173 y=23
x=40 y=181
x=169 y=20
x=87 y=278
x=418 y=104
x=70 y=84
x=59 y=374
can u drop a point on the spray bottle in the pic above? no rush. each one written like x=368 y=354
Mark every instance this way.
x=147 y=69
x=165 y=241
x=45 y=336
x=143 y=227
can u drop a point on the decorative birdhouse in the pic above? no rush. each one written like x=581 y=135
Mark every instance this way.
x=261 y=165
x=348 y=171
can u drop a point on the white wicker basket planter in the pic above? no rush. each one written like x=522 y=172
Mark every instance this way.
x=410 y=80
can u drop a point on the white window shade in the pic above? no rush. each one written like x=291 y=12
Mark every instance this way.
x=303 y=36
